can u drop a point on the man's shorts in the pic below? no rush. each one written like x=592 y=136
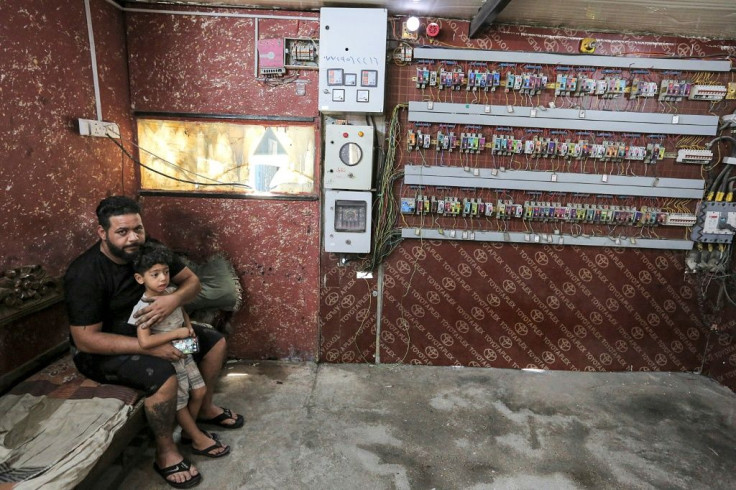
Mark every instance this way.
x=140 y=372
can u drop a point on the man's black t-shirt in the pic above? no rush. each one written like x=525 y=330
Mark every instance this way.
x=99 y=290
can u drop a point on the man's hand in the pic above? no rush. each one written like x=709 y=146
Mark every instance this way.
x=166 y=351
x=160 y=307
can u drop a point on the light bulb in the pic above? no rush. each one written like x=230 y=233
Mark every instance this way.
x=412 y=24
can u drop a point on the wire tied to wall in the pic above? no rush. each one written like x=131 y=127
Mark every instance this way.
x=185 y=181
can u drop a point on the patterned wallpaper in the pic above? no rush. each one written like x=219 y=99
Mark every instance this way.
x=531 y=305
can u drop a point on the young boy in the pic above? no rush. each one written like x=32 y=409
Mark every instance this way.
x=151 y=268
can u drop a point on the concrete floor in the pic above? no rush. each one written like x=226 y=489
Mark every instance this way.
x=417 y=427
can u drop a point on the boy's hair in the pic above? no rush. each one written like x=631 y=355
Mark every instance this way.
x=115 y=206
x=150 y=254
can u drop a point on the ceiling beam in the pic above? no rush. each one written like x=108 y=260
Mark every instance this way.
x=486 y=15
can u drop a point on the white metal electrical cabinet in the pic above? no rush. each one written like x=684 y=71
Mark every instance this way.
x=347 y=221
x=352 y=65
x=348 y=157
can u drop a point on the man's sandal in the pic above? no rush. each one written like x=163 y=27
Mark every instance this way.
x=208 y=450
x=182 y=465
x=220 y=420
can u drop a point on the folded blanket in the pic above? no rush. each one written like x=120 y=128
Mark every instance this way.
x=56 y=425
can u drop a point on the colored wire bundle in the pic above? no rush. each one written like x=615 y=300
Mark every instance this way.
x=385 y=205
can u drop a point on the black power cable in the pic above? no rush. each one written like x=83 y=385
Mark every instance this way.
x=220 y=184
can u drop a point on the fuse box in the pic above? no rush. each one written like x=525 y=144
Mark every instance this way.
x=301 y=53
x=347 y=227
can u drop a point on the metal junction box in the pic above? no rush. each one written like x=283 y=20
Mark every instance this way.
x=352 y=65
x=348 y=157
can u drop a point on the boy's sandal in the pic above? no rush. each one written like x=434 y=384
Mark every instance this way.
x=182 y=465
x=220 y=420
x=208 y=450
x=188 y=440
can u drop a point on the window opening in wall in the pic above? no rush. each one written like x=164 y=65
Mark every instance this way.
x=239 y=158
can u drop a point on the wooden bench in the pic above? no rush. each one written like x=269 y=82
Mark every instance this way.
x=61 y=429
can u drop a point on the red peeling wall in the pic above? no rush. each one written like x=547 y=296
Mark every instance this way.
x=52 y=178
x=205 y=65
x=444 y=303
x=272 y=245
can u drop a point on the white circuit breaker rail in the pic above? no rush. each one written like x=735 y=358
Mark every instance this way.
x=546 y=239
x=522 y=57
x=570 y=119
x=527 y=180
x=687 y=155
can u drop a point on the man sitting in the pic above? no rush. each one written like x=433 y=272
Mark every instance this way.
x=101 y=292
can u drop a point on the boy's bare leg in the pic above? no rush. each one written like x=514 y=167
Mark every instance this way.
x=200 y=440
x=160 y=411
x=196 y=396
x=210 y=368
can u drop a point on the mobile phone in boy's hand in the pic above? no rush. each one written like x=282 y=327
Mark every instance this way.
x=189 y=345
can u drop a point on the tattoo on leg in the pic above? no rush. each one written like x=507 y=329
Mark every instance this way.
x=161 y=418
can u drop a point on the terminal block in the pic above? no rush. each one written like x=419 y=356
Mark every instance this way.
x=680 y=219
x=708 y=92
x=694 y=156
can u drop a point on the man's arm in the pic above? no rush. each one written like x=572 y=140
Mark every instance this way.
x=147 y=339
x=162 y=306
x=91 y=339
x=188 y=323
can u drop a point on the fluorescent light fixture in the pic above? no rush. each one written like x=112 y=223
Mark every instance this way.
x=412 y=24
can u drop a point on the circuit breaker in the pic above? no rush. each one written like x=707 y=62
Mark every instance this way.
x=348 y=157
x=347 y=221
x=716 y=222
x=352 y=66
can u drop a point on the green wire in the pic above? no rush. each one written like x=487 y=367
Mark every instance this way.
x=387 y=237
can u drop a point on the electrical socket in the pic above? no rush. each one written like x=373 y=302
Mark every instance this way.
x=101 y=129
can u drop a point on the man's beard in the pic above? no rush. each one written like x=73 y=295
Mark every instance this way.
x=121 y=253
